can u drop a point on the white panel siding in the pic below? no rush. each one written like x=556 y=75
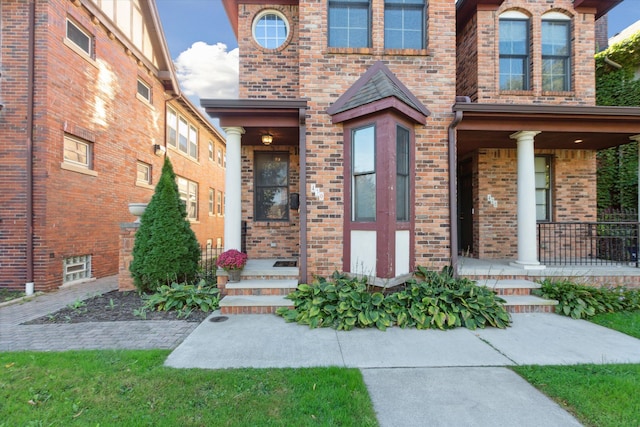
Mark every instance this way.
x=403 y=252
x=363 y=252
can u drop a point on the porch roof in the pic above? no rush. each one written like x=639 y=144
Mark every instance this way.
x=561 y=126
x=278 y=117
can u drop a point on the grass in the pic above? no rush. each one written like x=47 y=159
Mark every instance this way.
x=133 y=388
x=8 y=294
x=598 y=395
x=625 y=322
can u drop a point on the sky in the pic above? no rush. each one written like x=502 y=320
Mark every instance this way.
x=205 y=51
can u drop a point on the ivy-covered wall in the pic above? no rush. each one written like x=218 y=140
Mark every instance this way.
x=618 y=166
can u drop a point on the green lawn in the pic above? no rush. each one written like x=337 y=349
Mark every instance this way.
x=598 y=395
x=625 y=322
x=133 y=388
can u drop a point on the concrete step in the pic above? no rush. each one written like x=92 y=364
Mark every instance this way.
x=253 y=304
x=528 y=304
x=510 y=286
x=261 y=287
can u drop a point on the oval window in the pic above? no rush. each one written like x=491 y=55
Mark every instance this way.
x=270 y=29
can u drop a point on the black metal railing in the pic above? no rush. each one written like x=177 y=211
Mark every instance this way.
x=588 y=243
x=208 y=257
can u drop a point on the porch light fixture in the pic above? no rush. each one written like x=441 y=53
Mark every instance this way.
x=577 y=141
x=267 y=139
x=159 y=150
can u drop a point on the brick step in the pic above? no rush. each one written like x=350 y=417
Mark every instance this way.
x=261 y=287
x=253 y=304
x=510 y=286
x=528 y=304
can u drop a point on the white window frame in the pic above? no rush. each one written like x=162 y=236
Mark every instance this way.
x=178 y=126
x=172 y=127
x=219 y=205
x=89 y=49
x=219 y=156
x=265 y=26
x=142 y=95
x=211 y=150
x=189 y=195
x=88 y=154
x=147 y=178
x=212 y=193
x=76 y=268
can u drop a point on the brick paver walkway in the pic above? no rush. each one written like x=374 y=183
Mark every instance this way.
x=139 y=334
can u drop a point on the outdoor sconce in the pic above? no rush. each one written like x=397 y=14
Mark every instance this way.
x=159 y=150
x=267 y=139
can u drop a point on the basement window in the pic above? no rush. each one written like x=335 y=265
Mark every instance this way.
x=76 y=268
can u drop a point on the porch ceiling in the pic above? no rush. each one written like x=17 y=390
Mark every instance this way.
x=280 y=118
x=490 y=125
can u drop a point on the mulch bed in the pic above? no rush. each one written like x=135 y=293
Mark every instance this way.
x=114 y=306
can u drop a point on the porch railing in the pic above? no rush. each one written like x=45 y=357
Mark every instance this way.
x=208 y=257
x=588 y=243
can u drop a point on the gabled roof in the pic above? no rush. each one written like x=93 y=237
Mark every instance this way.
x=378 y=89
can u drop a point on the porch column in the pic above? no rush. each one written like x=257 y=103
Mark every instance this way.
x=527 y=239
x=233 y=190
x=636 y=138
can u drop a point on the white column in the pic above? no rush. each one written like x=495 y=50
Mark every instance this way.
x=233 y=190
x=636 y=138
x=527 y=229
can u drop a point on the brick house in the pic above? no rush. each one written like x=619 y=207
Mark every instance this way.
x=412 y=132
x=89 y=93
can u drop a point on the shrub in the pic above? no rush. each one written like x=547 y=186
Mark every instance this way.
x=165 y=249
x=184 y=298
x=434 y=300
x=580 y=301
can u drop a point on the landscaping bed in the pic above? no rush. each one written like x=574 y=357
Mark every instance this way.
x=114 y=306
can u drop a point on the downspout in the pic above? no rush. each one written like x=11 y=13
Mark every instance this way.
x=302 y=113
x=29 y=285
x=453 y=185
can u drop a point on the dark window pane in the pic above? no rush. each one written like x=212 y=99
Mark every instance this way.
x=77 y=36
x=402 y=174
x=365 y=197
x=272 y=186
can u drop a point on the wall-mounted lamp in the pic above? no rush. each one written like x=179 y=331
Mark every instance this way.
x=159 y=150
x=267 y=139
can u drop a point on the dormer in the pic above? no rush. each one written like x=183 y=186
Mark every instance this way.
x=512 y=51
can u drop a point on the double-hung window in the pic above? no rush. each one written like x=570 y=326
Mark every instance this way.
x=514 y=51
x=556 y=52
x=404 y=24
x=350 y=23
x=181 y=134
x=212 y=193
x=271 y=186
x=188 y=191
x=363 y=174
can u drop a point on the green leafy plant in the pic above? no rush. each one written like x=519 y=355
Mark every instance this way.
x=77 y=304
x=580 y=301
x=165 y=249
x=432 y=300
x=183 y=298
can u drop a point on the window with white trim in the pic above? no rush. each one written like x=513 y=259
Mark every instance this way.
x=211 y=201
x=210 y=150
x=219 y=205
x=188 y=191
x=270 y=29
x=79 y=37
x=144 y=91
x=556 y=52
x=76 y=268
x=181 y=134
x=143 y=173
x=78 y=152
x=219 y=154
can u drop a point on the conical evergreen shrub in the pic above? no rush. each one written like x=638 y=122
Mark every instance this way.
x=166 y=249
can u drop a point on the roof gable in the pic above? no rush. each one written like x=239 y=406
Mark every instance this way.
x=377 y=89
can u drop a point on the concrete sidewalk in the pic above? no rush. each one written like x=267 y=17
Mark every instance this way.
x=418 y=378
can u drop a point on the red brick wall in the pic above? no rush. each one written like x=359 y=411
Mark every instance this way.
x=74 y=213
x=573 y=186
x=265 y=73
x=484 y=33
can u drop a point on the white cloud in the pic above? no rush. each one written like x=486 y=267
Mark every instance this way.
x=208 y=71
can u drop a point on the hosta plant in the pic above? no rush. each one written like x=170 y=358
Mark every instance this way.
x=184 y=298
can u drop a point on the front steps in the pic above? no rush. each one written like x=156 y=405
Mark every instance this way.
x=261 y=290
x=518 y=297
